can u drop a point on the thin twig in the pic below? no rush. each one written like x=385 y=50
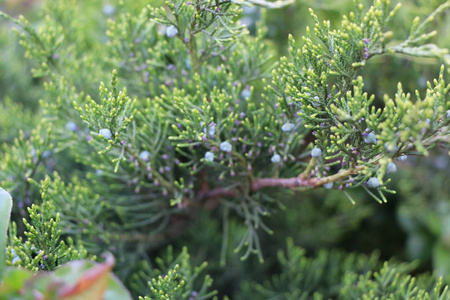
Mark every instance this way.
x=292 y=183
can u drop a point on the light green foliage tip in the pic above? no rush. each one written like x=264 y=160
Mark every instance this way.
x=43 y=249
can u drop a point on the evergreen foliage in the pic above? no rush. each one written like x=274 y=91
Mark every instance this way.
x=337 y=275
x=175 y=278
x=43 y=249
x=203 y=137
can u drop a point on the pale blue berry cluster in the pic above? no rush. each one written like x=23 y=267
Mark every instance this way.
x=106 y=133
x=316 y=152
x=171 y=31
x=226 y=147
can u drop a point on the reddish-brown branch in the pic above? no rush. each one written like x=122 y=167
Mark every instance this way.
x=217 y=193
x=283 y=182
x=210 y=197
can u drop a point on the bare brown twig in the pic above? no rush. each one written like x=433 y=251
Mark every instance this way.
x=212 y=195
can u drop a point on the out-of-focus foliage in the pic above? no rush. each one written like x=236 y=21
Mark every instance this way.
x=74 y=280
x=336 y=275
